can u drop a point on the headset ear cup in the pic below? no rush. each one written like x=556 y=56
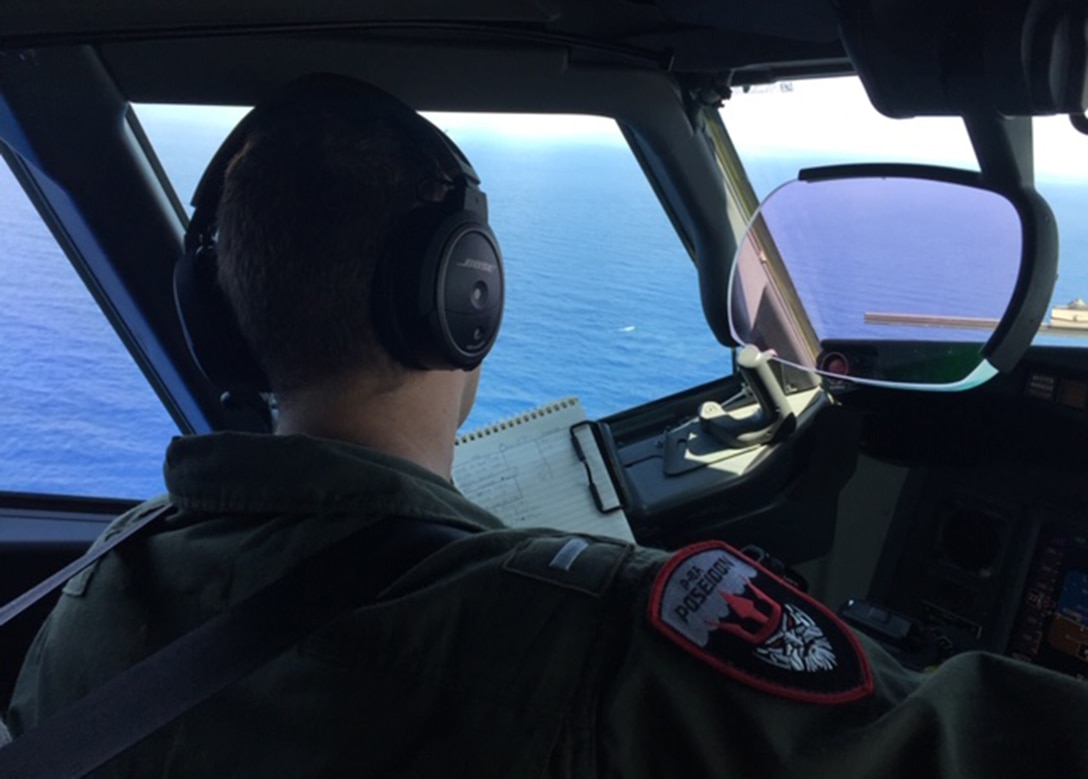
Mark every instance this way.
x=470 y=286
x=211 y=328
x=438 y=295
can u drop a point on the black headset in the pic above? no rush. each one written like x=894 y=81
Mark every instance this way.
x=437 y=293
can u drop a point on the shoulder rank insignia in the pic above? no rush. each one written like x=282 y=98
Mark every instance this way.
x=741 y=619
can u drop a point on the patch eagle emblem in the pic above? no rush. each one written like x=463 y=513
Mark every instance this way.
x=733 y=614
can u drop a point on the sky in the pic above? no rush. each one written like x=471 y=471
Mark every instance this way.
x=592 y=129
x=522 y=126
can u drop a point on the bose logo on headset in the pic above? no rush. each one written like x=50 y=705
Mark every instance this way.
x=440 y=307
x=486 y=267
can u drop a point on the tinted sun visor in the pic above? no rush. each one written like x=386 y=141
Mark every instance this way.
x=897 y=275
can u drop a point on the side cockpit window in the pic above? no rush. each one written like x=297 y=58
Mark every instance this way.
x=77 y=417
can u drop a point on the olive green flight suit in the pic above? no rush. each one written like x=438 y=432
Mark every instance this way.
x=487 y=659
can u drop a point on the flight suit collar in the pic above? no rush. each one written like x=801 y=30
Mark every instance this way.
x=248 y=473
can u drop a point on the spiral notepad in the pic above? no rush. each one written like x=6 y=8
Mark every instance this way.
x=527 y=471
x=521 y=422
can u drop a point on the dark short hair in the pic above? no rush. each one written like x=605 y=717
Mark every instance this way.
x=309 y=208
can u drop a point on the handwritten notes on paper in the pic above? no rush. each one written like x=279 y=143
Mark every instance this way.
x=527 y=471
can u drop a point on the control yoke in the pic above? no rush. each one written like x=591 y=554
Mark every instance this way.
x=772 y=420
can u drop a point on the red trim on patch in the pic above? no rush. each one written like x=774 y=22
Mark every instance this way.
x=850 y=681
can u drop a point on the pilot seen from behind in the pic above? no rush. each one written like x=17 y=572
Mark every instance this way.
x=351 y=242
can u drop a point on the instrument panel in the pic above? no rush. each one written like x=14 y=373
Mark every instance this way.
x=1051 y=625
x=989 y=545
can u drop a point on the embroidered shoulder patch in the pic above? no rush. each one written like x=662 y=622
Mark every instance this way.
x=741 y=619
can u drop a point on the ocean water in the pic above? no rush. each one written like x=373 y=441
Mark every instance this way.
x=602 y=303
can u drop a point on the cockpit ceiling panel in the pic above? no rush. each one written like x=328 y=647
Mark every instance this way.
x=700 y=36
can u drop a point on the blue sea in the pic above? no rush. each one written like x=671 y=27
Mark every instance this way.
x=602 y=304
